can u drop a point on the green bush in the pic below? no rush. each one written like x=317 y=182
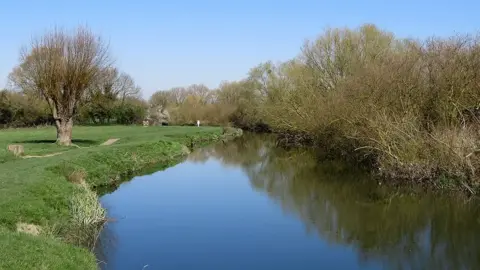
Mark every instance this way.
x=19 y=110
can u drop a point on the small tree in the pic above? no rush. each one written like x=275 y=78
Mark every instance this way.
x=61 y=66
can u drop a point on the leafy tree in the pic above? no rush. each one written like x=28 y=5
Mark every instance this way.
x=130 y=111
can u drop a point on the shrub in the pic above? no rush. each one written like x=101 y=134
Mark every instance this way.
x=409 y=108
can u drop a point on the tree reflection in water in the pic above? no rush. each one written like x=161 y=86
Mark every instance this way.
x=341 y=204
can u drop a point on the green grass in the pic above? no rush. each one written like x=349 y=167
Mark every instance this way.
x=22 y=251
x=36 y=190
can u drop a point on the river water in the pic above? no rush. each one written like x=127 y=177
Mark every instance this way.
x=246 y=204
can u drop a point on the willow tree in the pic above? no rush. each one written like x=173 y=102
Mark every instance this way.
x=60 y=66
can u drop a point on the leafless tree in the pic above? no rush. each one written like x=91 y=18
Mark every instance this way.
x=117 y=85
x=61 y=66
x=179 y=94
x=126 y=87
x=199 y=90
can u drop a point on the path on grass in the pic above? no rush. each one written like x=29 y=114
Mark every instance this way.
x=110 y=142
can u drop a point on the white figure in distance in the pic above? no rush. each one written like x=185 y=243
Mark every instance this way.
x=198 y=123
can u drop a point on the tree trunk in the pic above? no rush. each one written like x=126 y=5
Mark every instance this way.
x=64 y=131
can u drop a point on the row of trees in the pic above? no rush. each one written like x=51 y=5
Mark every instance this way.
x=231 y=103
x=409 y=108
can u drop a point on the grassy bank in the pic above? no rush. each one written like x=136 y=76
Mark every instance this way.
x=44 y=192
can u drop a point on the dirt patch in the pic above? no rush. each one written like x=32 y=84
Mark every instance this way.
x=110 y=142
x=28 y=228
x=16 y=149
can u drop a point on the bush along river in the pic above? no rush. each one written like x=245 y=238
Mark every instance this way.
x=246 y=204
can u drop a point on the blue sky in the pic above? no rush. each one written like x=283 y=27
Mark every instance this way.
x=163 y=44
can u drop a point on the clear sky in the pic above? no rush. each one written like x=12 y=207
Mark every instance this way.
x=163 y=44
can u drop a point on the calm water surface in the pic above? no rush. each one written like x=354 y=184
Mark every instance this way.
x=248 y=205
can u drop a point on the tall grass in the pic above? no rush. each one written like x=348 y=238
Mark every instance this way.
x=87 y=218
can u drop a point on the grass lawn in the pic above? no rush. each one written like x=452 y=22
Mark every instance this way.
x=36 y=190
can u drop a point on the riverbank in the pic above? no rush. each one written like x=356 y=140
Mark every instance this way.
x=40 y=226
x=434 y=162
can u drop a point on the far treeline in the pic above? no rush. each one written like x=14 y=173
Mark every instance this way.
x=409 y=109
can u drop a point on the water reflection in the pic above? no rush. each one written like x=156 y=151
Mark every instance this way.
x=343 y=206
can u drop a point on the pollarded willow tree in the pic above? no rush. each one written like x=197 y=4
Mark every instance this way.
x=60 y=66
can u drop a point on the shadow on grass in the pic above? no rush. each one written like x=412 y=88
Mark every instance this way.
x=75 y=141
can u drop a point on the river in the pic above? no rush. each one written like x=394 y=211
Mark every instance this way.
x=246 y=204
